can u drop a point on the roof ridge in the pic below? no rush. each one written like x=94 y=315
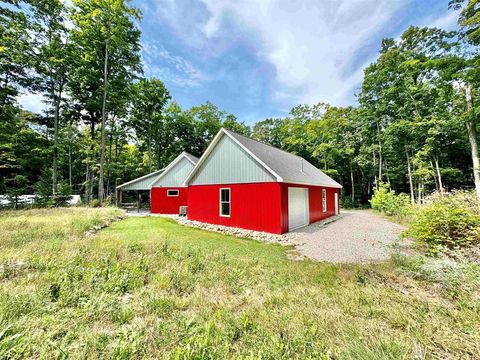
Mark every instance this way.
x=274 y=147
x=187 y=154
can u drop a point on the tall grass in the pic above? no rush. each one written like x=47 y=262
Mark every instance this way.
x=149 y=288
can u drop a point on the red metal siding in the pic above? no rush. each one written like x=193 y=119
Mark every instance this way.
x=254 y=206
x=315 y=203
x=160 y=203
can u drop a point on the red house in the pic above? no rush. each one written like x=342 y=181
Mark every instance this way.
x=167 y=192
x=165 y=186
x=244 y=183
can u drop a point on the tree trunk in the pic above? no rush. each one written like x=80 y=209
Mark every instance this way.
x=472 y=137
x=410 y=180
x=55 y=149
x=70 y=165
x=89 y=177
x=87 y=184
x=380 y=161
x=57 y=99
x=419 y=192
x=434 y=172
x=149 y=140
x=149 y=154
x=102 y=130
x=353 y=183
x=157 y=150
x=386 y=171
x=380 y=157
x=439 y=175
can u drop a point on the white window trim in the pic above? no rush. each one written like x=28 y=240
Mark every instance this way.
x=324 y=200
x=178 y=192
x=229 y=202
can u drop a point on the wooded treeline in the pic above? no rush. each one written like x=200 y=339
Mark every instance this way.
x=415 y=126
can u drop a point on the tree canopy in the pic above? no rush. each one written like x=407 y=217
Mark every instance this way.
x=415 y=124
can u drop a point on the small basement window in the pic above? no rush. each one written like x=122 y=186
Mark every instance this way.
x=324 y=200
x=172 y=192
x=225 y=202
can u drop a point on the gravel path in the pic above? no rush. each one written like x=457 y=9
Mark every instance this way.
x=355 y=236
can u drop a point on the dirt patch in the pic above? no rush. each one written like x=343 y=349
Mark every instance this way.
x=466 y=254
x=409 y=287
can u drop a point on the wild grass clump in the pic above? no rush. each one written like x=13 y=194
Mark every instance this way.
x=45 y=226
x=451 y=220
x=454 y=278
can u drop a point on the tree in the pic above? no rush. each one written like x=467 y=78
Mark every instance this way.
x=232 y=123
x=107 y=40
x=15 y=55
x=150 y=98
x=52 y=62
x=468 y=72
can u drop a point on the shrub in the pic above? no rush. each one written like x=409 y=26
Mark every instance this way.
x=386 y=201
x=452 y=220
x=347 y=203
x=95 y=203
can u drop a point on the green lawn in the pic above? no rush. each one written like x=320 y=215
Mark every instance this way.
x=149 y=288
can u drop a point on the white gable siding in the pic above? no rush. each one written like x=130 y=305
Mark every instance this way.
x=176 y=175
x=228 y=163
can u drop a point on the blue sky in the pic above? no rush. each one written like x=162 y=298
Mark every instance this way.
x=259 y=58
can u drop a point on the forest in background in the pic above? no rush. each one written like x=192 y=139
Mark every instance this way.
x=415 y=125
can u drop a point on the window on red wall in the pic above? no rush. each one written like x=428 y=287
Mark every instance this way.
x=225 y=202
x=172 y=192
x=324 y=200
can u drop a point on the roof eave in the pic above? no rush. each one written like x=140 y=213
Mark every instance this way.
x=295 y=182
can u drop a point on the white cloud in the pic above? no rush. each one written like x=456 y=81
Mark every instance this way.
x=310 y=43
x=171 y=68
x=32 y=102
x=446 y=22
x=318 y=48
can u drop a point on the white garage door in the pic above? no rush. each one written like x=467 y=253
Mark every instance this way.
x=297 y=207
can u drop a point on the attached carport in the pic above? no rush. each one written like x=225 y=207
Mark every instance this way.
x=139 y=186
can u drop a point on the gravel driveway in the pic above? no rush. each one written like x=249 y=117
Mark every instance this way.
x=355 y=236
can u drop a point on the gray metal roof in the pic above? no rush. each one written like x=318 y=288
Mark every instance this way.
x=290 y=168
x=192 y=158
x=141 y=183
x=144 y=182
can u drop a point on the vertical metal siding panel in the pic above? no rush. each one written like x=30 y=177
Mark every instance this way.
x=176 y=175
x=284 y=207
x=228 y=163
x=253 y=206
x=160 y=203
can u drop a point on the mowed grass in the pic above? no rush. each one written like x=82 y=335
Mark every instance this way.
x=149 y=288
